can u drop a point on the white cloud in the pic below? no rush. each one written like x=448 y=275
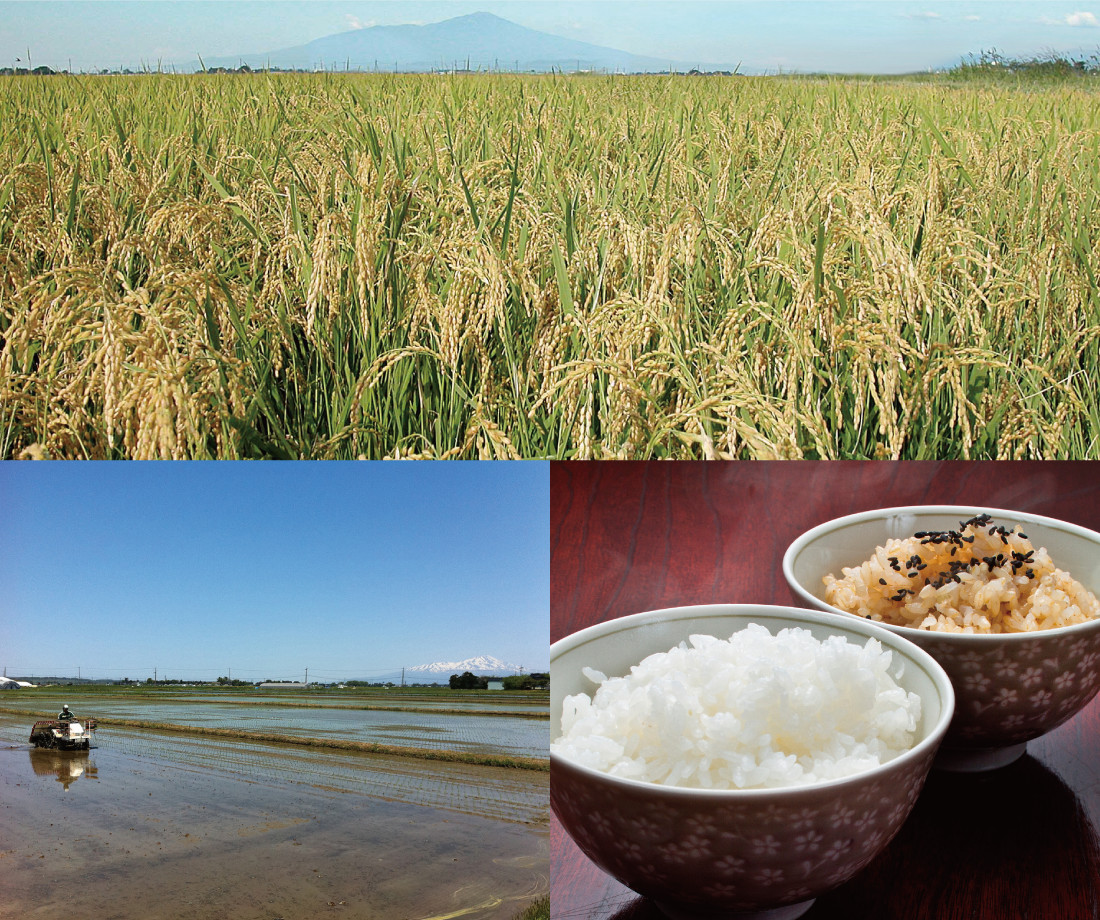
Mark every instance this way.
x=926 y=14
x=354 y=22
x=1080 y=20
x=1083 y=19
x=973 y=18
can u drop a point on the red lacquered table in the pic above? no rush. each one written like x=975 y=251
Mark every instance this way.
x=1020 y=842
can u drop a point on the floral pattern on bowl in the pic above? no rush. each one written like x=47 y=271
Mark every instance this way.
x=1009 y=688
x=705 y=853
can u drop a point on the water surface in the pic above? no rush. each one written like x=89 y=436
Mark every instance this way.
x=473 y=733
x=165 y=827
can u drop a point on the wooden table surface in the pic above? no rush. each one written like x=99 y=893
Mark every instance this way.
x=1021 y=842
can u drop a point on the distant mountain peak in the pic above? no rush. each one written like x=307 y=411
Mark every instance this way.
x=486 y=664
x=480 y=41
x=480 y=15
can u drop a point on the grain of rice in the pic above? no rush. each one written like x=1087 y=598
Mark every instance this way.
x=982 y=578
x=753 y=711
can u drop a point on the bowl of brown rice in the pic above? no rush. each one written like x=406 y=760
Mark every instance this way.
x=1005 y=601
x=739 y=760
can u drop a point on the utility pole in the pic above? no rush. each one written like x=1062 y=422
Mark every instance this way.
x=307 y=677
x=402 y=677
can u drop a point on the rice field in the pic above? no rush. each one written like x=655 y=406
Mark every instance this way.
x=354 y=720
x=183 y=826
x=473 y=266
x=469 y=733
x=529 y=704
x=517 y=796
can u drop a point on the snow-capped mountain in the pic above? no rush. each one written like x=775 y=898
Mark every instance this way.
x=482 y=664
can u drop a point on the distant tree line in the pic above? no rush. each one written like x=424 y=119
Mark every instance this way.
x=533 y=681
x=1050 y=65
x=44 y=71
x=468 y=681
x=24 y=72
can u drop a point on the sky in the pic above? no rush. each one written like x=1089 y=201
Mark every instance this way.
x=257 y=571
x=873 y=36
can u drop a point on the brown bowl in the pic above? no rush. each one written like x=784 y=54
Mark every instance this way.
x=761 y=853
x=1009 y=688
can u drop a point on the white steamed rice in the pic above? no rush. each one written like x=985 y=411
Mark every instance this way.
x=754 y=711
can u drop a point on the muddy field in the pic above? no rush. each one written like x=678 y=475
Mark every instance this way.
x=160 y=827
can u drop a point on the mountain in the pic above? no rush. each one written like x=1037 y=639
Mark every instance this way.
x=478 y=41
x=439 y=672
x=482 y=664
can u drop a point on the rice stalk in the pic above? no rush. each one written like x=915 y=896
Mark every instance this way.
x=501 y=266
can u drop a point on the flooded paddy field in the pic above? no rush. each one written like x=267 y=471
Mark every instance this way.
x=473 y=726
x=465 y=700
x=532 y=703
x=159 y=826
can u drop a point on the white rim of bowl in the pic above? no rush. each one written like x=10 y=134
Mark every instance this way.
x=1019 y=517
x=891 y=641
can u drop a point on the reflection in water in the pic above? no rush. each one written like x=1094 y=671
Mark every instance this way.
x=65 y=766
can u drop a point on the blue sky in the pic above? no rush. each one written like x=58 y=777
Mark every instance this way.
x=761 y=35
x=268 y=569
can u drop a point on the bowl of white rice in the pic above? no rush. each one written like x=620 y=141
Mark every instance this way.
x=737 y=759
x=1006 y=601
